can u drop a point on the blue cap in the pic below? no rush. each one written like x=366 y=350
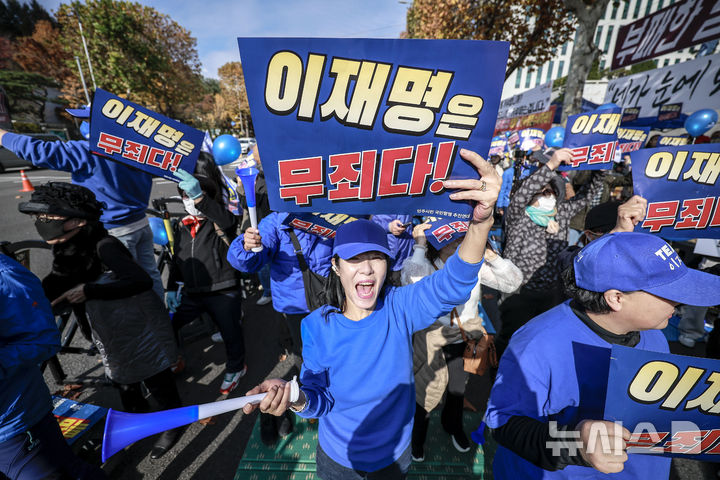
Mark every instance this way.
x=631 y=261
x=82 y=112
x=358 y=237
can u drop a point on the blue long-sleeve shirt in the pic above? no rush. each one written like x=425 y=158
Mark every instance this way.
x=357 y=376
x=28 y=336
x=287 y=288
x=400 y=246
x=125 y=190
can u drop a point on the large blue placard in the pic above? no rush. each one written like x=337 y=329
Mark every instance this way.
x=131 y=134
x=669 y=402
x=363 y=126
x=592 y=137
x=681 y=187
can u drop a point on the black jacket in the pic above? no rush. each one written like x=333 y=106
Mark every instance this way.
x=201 y=262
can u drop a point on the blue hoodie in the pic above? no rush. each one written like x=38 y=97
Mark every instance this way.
x=125 y=191
x=288 y=290
x=28 y=337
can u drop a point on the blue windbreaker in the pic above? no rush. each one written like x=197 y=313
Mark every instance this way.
x=400 y=247
x=288 y=291
x=125 y=191
x=28 y=337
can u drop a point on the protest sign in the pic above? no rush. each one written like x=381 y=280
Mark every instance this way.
x=592 y=138
x=681 y=187
x=668 y=402
x=498 y=145
x=631 y=139
x=75 y=418
x=370 y=126
x=694 y=84
x=541 y=120
x=531 y=137
x=131 y=134
x=444 y=230
x=321 y=224
x=530 y=101
x=669 y=111
x=670 y=29
x=673 y=141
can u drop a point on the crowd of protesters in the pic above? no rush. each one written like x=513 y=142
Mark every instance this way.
x=376 y=320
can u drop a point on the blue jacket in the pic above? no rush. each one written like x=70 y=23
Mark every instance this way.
x=400 y=247
x=28 y=337
x=125 y=191
x=288 y=291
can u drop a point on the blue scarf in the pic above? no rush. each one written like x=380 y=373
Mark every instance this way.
x=540 y=217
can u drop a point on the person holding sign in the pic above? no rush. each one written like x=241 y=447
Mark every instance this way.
x=440 y=347
x=357 y=374
x=537 y=222
x=124 y=190
x=546 y=407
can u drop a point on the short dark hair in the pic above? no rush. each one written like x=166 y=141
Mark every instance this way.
x=334 y=294
x=593 y=302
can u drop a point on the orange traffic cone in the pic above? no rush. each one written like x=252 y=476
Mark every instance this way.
x=26 y=185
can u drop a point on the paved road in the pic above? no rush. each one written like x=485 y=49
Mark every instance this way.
x=213 y=450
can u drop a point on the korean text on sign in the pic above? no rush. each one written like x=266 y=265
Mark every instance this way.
x=668 y=402
x=136 y=136
x=368 y=126
x=592 y=139
x=680 y=184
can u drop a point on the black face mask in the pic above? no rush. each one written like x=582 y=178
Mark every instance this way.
x=49 y=229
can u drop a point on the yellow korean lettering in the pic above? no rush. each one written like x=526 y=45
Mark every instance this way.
x=661 y=163
x=409 y=85
x=311 y=86
x=343 y=70
x=112 y=108
x=436 y=89
x=706 y=401
x=143 y=124
x=185 y=148
x=686 y=383
x=579 y=124
x=653 y=381
x=369 y=88
x=125 y=115
x=282 y=85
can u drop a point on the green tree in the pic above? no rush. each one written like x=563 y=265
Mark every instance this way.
x=136 y=52
x=18 y=19
x=534 y=28
x=234 y=96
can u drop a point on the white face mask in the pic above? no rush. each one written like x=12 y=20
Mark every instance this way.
x=190 y=207
x=546 y=204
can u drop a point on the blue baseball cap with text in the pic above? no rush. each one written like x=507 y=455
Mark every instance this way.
x=358 y=237
x=631 y=261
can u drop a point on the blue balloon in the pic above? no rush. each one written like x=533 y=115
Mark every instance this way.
x=158 y=230
x=226 y=149
x=555 y=137
x=85 y=130
x=701 y=121
x=232 y=124
x=607 y=106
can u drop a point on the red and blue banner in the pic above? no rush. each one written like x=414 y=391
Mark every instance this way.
x=681 y=187
x=669 y=402
x=131 y=134
x=75 y=418
x=323 y=225
x=444 y=230
x=632 y=139
x=592 y=137
x=362 y=126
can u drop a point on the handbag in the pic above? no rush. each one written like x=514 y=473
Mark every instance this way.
x=479 y=353
x=314 y=283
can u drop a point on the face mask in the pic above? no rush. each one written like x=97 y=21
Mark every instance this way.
x=190 y=207
x=546 y=204
x=49 y=229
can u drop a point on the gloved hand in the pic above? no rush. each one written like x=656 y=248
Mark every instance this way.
x=188 y=183
x=173 y=300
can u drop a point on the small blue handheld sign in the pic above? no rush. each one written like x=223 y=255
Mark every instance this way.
x=592 y=138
